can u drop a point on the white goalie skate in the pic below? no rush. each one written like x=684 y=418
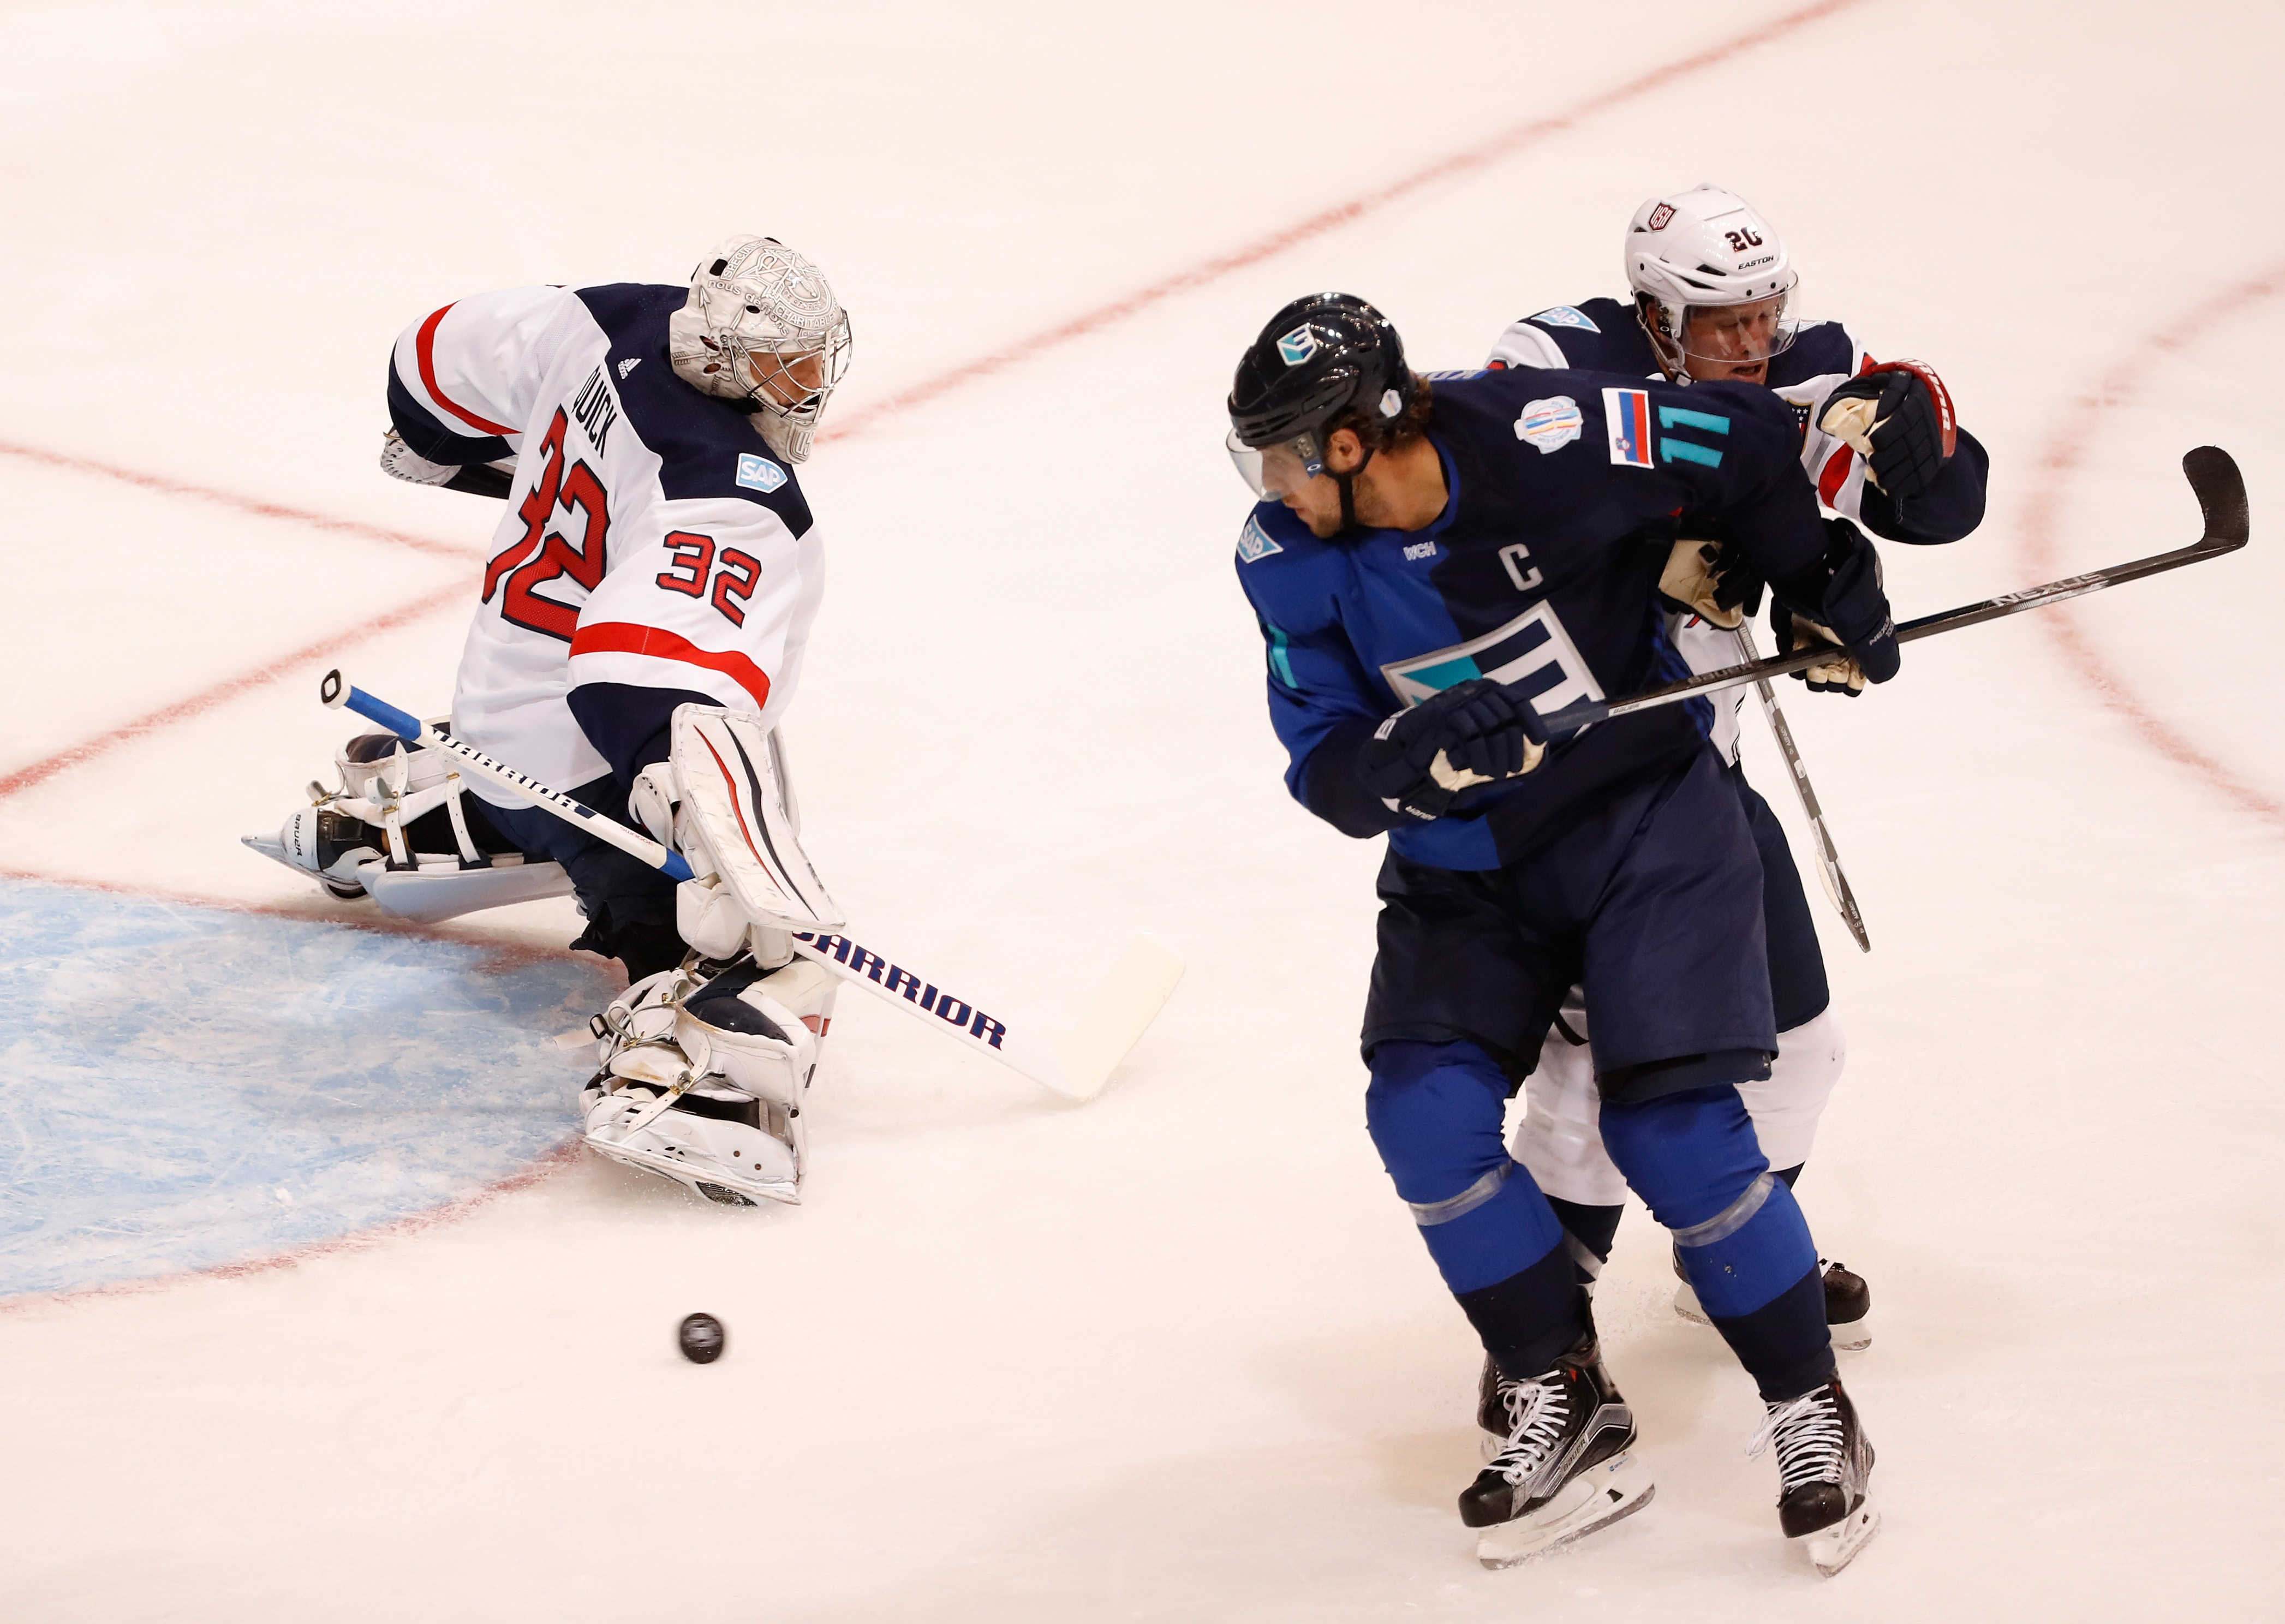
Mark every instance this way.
x=703 y=1081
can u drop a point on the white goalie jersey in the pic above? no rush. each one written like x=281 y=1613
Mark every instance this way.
x=651 y=542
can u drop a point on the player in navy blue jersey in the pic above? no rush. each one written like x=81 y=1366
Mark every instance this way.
x=1438 y=566
x=1712 y=297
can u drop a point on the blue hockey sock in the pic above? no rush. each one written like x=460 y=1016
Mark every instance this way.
x=1436 y=1111
x=1738 y=1231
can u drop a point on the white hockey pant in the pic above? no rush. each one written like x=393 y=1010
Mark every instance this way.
x=1561 y=1138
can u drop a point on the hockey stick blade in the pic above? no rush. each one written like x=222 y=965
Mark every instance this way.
x=1076 y=1066
x=2214 y=479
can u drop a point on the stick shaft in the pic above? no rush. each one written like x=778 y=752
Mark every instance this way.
x=337 y=693
x=1837 y=889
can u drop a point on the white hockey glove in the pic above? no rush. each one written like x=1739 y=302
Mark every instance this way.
x=720 y=800
x=1698 y=577
x=399 y=461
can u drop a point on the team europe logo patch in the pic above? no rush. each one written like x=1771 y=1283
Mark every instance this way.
x=1626 y=419
x=1550 y=425
x=759 y=473
x=1564 y=316
x=1298 y=346
x=1254 y=542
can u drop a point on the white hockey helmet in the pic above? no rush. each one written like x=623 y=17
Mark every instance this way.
x=762 y=325
x=1705 y=251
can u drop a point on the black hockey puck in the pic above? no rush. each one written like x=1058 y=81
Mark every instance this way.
x=702 y=1339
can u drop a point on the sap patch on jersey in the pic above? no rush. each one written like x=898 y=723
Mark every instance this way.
x=1564 y=316
x=1254 y=542
x=1550 y=424
x=1532 y=649
x=1626 y=420
x=759 y=473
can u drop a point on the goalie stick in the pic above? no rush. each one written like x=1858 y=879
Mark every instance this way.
x=1076 y=1066
x=1828 y=856
x=2214 y=478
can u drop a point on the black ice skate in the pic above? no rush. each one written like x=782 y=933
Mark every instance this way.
x=1562 y=1465
x=1847 y=1304
x=1824 y=1462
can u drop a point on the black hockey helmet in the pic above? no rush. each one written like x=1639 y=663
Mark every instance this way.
x=1317 y=357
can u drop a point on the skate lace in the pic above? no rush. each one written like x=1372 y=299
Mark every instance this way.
x=1809 y=1437
x=1536 y=1412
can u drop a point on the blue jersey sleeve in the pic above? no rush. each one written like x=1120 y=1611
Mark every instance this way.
x=1735 y=448
x=1323 y=704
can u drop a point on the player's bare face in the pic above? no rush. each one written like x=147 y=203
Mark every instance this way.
x=1314 y=498
x=1734 y=341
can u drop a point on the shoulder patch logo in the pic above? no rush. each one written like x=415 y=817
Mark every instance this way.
x=1659 y=217
x=1564 y=316
x=1254 y=542
x=759 y=473
x=628 y=366
x=1626 y=420
x=1451 y=375
x=1550 y=424
x=1298 y=346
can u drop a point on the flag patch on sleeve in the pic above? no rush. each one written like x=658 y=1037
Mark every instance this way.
x=1626 y=420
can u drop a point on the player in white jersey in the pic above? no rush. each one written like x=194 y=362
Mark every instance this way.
x=1711 y=295
x=639 y=632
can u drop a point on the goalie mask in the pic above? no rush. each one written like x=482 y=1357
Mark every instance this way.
x=1713 y=283
x=763 y=329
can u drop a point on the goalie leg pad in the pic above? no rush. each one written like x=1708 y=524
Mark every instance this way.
x=737 y=1054
x=733 y=822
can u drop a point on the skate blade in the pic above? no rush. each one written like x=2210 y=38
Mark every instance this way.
x=1594 y=1499
x=1835 y=1546
x=696 y=1178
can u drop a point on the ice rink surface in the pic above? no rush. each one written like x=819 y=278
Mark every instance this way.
x=1176 y=1355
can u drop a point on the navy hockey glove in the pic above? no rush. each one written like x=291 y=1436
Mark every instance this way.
x=1838 y=599
x=1897 y=418
x=1473 y=732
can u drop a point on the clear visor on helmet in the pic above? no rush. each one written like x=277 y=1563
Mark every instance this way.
x=1739 y=334
x=795 y=382
x=1271 y=471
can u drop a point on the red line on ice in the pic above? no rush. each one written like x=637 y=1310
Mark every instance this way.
x=222 y=693
x=2064 y=451
x=1481 y=155
x=165 y=486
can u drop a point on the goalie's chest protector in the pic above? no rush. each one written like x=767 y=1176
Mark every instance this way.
x=651 y=537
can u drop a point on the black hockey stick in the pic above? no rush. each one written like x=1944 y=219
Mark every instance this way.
x=2214 y=478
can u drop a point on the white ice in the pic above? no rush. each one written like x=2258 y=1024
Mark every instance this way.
x=1176 y=1355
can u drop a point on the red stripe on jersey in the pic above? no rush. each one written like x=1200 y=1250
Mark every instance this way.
x=625 y=637
x=1834 y=477
x=424 y=347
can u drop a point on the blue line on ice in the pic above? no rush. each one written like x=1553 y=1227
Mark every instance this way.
x=184 y=1087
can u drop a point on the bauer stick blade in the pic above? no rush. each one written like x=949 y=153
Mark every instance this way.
x=1075 y=1065
x=2214 y=479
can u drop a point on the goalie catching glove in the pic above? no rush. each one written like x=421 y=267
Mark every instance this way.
x=719 y=799
x=1473 y=732
x=1838 y=600
x=1898 y=418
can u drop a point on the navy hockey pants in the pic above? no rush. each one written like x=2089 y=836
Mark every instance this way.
x=629 y=905
x=1436 y=1112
